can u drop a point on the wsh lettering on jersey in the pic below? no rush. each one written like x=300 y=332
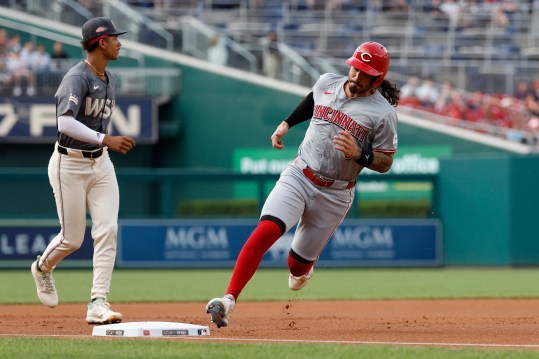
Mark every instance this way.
x=101 y=108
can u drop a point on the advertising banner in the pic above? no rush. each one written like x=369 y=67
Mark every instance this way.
x=217 y=243
x=33 y=119
x=409 y=160
x=21 y=243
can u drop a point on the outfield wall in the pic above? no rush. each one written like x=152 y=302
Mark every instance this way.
x=488 y=205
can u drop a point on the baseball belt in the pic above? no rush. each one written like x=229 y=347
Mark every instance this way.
x=324 y=183
x=78 y=153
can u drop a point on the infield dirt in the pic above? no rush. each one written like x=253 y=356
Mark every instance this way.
x=501 y=322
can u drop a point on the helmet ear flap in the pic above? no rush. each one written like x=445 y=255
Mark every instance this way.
x=378 y=81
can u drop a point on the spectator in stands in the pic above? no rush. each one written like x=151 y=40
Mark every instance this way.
x=60 y=64
x=475 y=109
x=445 y=99
x=4 y=75
x=14 y=44
x=58 y=51
x=217 y=50
x=515 y=112
x=4 y=43
x=59 y=58
x=409 y=88
x=532 y=105
x=536 y=89
x=272 y=55
x=522 y=90
x=24 y=70
x=18 y=74
x=40 y=60
x=500 y=21
x=454 y=11
x=496 y=112
x=40 y=65
x=409 y=93
x=457 y=106
x=509 y=7
x=26 y=53
x=473 y=7
x=433 y=8
x=428 y=94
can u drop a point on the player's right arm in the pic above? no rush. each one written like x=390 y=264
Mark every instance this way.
x=279 y=133
x=302 y=113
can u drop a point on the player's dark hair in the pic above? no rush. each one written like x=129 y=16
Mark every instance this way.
x=89 y=47
x=390 y=91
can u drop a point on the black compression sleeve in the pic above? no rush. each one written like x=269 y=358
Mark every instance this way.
x=303 y=112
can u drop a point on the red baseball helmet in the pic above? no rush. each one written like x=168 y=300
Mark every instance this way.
x=372 y=58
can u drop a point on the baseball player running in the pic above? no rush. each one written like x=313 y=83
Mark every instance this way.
x=353 y=125
x=81 y=173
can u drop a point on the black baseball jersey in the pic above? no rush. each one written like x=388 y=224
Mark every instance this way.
x=91 y=100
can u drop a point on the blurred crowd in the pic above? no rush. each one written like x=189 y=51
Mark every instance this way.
x=27 y=67
x=24 y=66
x=519 y=111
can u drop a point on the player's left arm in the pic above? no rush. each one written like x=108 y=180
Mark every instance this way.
x=382 y=161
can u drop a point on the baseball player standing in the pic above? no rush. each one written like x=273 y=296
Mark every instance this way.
x=81 y=173
x=353 y=125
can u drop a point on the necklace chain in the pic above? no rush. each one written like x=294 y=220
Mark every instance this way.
x=93 y=68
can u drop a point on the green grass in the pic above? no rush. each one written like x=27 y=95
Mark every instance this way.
x=272 y=284
x=267 y=284
x=148 y=348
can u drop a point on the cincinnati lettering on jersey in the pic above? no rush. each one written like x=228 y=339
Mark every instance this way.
x=96 y=107
x=340 y=119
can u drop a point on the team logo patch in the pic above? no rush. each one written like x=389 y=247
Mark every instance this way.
x=73 y=99
x=100 y=29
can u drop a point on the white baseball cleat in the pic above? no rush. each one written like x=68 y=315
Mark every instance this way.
x=46 y=290
x=99 y=312
x=296 y=283
x=220 y=310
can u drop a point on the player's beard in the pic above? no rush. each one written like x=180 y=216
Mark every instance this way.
x=356 y=89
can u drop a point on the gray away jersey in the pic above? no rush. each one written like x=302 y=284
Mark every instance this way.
x=91 y=100
x=370 y=119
